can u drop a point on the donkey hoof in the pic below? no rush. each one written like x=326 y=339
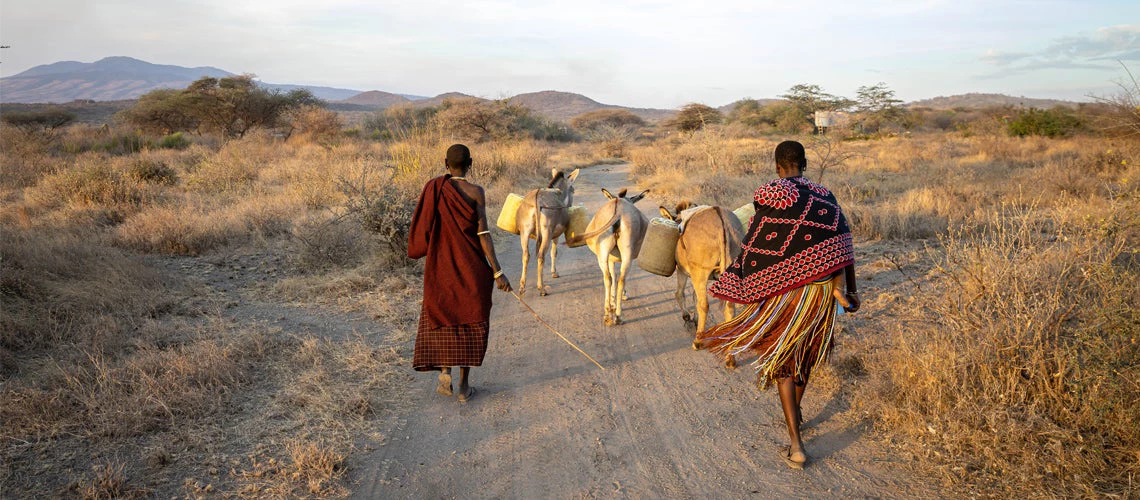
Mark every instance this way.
x=544 y=291
x=617 y=320
x=686 y=317
x=730 y=362
x=697 y=345
x=554 y=274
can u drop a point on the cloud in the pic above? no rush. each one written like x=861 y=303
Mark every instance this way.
x=1081 y=52
x=1000 y=58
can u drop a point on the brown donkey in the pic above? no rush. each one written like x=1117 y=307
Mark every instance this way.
x=710 y=241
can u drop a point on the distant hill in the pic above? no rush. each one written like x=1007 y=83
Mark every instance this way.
x=376 y=99
x=437 y=100
x=976 y=100
x=118 y=78
x=566 y=105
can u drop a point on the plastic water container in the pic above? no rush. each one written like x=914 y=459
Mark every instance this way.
x=506 y=220
x=659 y=249
x=579 y=219
x=744 y=213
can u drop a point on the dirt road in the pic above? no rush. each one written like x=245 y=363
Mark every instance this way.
x=660 y=421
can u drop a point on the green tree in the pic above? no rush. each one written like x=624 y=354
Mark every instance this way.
x=749 y=112
x=30 y=121
x=477 y=120
x=809 y=98
x=230 y=106
x=603 y=118
x=877 y=107
x=162 y=111
x=694 y=117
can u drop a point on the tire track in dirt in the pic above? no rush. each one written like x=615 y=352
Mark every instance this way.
x=661 y=420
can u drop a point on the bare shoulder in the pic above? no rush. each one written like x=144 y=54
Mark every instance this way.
x=478 y=194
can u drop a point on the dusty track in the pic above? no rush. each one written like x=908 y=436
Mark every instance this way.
x=660 y=421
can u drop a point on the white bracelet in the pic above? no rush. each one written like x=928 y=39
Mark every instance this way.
x=480 y=233
x=497 y=274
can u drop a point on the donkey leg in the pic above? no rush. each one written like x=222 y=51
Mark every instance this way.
x=607 y=283
x=543 y=242
x=554 y=258
x=621 y=289
x=524 y=236
x=682 y=279
x=700 y=282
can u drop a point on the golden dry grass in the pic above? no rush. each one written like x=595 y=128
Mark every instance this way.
x=103 y=354
x=1005 y=362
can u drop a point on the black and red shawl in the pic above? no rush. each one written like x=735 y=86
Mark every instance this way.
x=457 y=278
x=798 y=235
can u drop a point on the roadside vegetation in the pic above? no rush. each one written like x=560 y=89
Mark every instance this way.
x=1005 y=363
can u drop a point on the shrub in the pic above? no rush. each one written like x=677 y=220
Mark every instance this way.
x=125 y=144
x=1017 y=371
x=152 y=171
x=174 y=141
x=1056 y=122
x=93 y=183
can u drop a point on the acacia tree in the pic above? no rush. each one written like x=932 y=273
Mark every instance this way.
x=162 y=111
x=695 y=116
x=31 y=121
x=230 y=106
x=478 y=120
x=809 y=98
x=606 y=118
x=877 y=106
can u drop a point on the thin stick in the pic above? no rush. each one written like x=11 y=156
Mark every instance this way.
x=551 y=328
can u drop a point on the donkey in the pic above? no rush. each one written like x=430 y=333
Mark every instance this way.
x=615 y=234
x=710 y=241
x=545 y=213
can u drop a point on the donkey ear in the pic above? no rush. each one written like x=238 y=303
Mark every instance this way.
x=665 y=213
x=553 y=173
x=608 y=194
x=637 y=197
x=574 y=174
x=621 y=194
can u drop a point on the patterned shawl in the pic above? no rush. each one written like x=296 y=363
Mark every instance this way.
x=799 y=234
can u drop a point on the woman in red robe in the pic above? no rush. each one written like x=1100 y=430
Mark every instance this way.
x=449 y=227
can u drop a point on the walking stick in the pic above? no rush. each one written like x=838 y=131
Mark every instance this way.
x=551 y=328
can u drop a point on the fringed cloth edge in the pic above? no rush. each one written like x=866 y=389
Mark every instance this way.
x=790 y=333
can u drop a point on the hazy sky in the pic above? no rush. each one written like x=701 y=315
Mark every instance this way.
x=635 y=53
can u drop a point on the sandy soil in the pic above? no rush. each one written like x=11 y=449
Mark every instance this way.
x=660 y=421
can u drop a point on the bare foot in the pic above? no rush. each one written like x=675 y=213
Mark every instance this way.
x=794 y=459
x=444 y=386
x=465 y=394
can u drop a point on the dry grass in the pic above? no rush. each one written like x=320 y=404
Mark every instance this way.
x=119 y=380
x=1006 y=361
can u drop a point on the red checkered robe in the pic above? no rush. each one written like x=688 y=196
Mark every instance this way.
x=458 y=281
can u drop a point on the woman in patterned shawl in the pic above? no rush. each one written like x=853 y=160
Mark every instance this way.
x=795 y=256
